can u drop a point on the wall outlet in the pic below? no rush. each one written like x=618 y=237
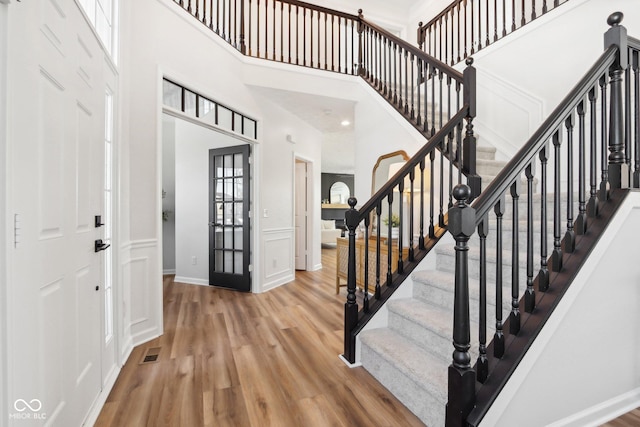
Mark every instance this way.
x=194 y=260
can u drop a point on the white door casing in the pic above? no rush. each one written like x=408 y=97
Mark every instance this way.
x=301 y=220
x=56 y=142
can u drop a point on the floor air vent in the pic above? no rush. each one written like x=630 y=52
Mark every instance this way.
x=151 y=355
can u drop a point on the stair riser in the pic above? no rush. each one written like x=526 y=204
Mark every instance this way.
x=446 y=262
x=444 y=298
x=422 y=336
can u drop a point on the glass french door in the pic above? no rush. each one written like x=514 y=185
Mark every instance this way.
x=229 y=226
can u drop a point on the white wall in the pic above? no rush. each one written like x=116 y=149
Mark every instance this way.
x=583 y=368
x=5 y=225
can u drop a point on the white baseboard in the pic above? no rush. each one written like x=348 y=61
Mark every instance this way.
x=278 y=282
x=349 y=364
x=603 y=412
x=101 y=399
x=191 y=280
x=169 y=271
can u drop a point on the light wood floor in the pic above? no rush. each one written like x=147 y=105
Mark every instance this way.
x=236 y=359
x=627 y=420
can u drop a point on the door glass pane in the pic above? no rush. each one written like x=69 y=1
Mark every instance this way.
x=249 y=128
x=238 y=213
x=224 y=117
x=228 y=261
x=237 y=189
x=237 y=244
x=207 y=110
x=172 y=95
x=238 y=262
x=189 y=103
x=228 y=165
x=237 y=165
x=218 y=166
x=218 y=261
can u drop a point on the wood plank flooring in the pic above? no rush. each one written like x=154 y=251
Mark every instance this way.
x=629 y=419
x=236 y=359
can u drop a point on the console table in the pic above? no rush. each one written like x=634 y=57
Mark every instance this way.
x=342 y=254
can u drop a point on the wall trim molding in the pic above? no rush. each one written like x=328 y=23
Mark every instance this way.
x=277 y=283
x=101 y=399
x=191 y=280
x=169 y=271
x=603 y=412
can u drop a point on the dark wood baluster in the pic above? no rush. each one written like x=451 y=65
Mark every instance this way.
x=229 y=28
x=452 y=162
x=395 y=73
x=425 y=127
x=504 y=18
x=224 y=8
x=333 y=49
x=465 y=29
x=401 y=227
x=544 y=6
x=482 y=365
x=451 y=29
x=243 y=46
x=304 y=36
x=592 y=206
x=543 y=275
x=211 y=15
x=461 y=377
x=581 y=221
x=189 y=9
x=473 y=50
x=412 y=176
x=513 y=15
x=282 y=32
x=273 y=19
x=603 y=193
x=236 y=44
x=440 y=77
x=530 y=295
x=311 y=37
x=441 y=186
x=556 y=256
x=433 y=74
x=365 y=297
x=389 y=240
x=498 y=338
x=353 y=50
x=181 y=3
x=297 y=35
x=387 y=91
x=533 y=9
x=439 y=39
x=627 y=122
x=266 y=29
x=570 y=235
x=514 y=318
x=204 y=11
x=523 y=21
x=258 y=29
x=421 y=237
x=635 y=62
x=432 y=158
x=326 y=56
x=495 y=20
x=445 y=59
x=249 y=31
x=420 y=78
x=479 y=24
x=458 y=30
x=378 y=62
x=413 y=88
x=378 y=240
x=406 y=82
x=487 y=30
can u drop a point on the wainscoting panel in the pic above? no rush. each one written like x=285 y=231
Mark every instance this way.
x=277 y=257
x=142 y=288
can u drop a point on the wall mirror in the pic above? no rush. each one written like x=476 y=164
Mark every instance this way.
x=380 y=174
x=339 y=193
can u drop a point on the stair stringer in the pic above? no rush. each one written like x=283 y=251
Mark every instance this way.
x=579 y=380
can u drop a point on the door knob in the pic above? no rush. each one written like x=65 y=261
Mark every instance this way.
x=100 y=245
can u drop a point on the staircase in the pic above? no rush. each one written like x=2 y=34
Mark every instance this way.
x=411 y=355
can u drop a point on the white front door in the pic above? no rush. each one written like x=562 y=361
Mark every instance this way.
x=56 y=180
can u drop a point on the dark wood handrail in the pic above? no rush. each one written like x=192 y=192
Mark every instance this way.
x=320 y=9
x=489 y=197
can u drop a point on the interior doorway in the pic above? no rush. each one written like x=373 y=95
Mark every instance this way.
x=186 y=192
x=301 y=213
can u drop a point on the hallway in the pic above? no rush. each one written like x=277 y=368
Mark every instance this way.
x=241 y=359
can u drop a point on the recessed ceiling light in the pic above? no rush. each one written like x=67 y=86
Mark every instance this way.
x=345 y=123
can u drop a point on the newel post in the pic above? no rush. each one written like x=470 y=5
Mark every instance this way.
x=351 y=306
x=617 y=35
x=360 y=49
x=462 y=377
x=420 y=35
x=469 y=142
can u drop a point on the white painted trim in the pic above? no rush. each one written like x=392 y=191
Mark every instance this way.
x=310 y=244
x=191 y=280
x=5 y=213
x=317 y=267
x=180 y=115
x=169 y=272
x=277 y=230
x=101 y=399
x=277 y=283
x=602 y=413
x=145 y=336
x=349 y=364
